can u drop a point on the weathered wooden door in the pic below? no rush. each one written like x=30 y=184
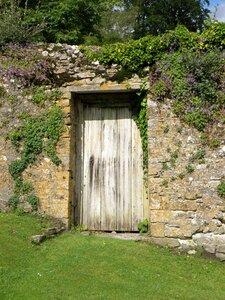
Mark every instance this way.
x=110 y=188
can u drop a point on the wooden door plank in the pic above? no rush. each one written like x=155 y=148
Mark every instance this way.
x=93 y=165
x=109 y=166
x=137 y=177
x=78 y=161
x=124 y=214
x=86 y=154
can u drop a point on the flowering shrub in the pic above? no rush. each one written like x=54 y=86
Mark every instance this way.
x=194 y=80
x=24 y=66
x=186 y=67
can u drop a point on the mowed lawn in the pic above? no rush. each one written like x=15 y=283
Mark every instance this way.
x=73 y=266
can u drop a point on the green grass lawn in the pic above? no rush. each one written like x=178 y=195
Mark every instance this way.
x=73 y=266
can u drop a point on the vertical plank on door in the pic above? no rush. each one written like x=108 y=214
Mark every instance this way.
x=124 y=213
x=85 y=166
x=137 y=177
x=78 y=162
x=109 y=165
x=92 y=166
x=95 y=163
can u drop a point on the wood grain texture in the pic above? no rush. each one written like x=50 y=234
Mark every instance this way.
x=78 y=162
x=137 y=178
x=108 y=167
x=124 y=176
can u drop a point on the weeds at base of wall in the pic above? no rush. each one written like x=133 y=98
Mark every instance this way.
x=143 y=226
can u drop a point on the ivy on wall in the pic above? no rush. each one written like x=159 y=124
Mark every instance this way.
x=184 y=66
x=29 y=75
x=38 y=134
x=142 y=123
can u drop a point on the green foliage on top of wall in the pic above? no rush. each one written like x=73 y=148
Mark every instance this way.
x=147 y=50
x=186 y=67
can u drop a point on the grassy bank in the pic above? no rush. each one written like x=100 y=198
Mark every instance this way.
x=73 y=266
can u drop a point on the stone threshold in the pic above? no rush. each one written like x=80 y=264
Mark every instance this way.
x=133 y=236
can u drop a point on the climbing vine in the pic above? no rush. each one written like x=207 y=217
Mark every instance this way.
x=184 y=66
x=29 y=78
x=142 y=123
x=38 y=134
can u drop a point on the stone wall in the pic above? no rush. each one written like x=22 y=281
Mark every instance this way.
x=54 y=184
x=184 y=209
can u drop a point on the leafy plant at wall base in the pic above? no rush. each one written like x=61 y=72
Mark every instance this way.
x=143 y=226
x=221 y=189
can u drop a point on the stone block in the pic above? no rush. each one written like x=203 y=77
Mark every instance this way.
x=183 y=205
x=220 y=256
x=165 y=242
x=186 y=245
x=220 y=239
x=66 y=109
x=180 y=232
x=220 y=248
x=157 y=229
x=63 y=103
x=66 y=96
x=190 y=196
x=160 y=216
x=157 y=202
x=38 y=239
x=209 y=248
x=207 y=241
